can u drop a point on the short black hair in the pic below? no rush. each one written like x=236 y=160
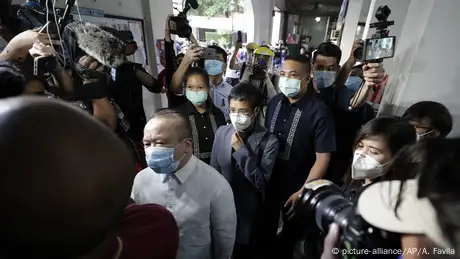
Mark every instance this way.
x=328 y=49
x=220 y=50
x=439 y=116
x=193 y=71
x=183 y=126
x=246 y=92
x=304 y=60
x=12 y=79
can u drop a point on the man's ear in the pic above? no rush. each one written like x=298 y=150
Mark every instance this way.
x=436 y=133
x=189 y=143
x=338 y=68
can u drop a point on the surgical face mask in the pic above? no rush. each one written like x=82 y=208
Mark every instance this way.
x=421 y=136
x=324 y=79
x=240 y=122
x=161 y=159
x=290 y=87
x=213 y=67
x=354 y=83
x=366 y=167
x=196 y=97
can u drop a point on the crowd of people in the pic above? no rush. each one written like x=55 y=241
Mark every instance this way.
x=219 y=173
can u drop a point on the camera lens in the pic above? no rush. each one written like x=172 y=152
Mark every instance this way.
x=324 y=201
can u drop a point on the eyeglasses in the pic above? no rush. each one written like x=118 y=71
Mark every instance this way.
x=241 y=112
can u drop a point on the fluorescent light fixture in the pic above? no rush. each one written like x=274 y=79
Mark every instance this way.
x=318 y=19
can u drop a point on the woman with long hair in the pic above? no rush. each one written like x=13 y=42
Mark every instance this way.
x=376 y=148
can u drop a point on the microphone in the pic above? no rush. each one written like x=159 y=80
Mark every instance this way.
x=193 y=4
x=100 y=44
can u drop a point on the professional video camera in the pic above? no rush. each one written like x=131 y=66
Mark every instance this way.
x=380 y=46
x=179 y=24
x=323 y=203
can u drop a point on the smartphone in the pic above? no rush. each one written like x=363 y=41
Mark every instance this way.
x=208 y=53
x=44 y=65
x=377 y=49
x=240 y=36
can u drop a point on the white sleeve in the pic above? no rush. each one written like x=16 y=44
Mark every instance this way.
x=223 y=221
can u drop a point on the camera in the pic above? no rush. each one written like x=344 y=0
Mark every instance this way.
x=35 y=14
x=380 y=46
x=323 y=203
x=179 y=24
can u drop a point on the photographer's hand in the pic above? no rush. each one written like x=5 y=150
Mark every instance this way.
x=193 y=54
x=41 y=50
x=292 y=202
x=20 y=45
x=89 y=62
x=330 y=250
x=168 y=28
x=373 y=74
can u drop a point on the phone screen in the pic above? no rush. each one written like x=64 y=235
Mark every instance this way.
x=379 y=48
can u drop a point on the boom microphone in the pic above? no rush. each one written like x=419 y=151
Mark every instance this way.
x=100 y=44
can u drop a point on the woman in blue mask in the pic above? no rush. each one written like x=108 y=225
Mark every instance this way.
x=203 y=115
x=355 y=80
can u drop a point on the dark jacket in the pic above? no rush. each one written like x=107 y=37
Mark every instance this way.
x=248 y=171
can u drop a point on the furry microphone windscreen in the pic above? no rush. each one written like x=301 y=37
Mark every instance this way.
x=100 y=44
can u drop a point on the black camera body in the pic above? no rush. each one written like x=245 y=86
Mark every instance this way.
x=180 y=23
x=323 y=203
x=380 y=46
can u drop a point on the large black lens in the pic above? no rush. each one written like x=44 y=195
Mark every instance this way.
x=324 y=201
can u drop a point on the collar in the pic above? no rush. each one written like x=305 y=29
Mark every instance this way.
x=302 y=102
x=183 y=174
x=219 y=85
x=191 y=109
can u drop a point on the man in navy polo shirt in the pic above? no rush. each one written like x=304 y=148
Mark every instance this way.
x=349 y=108
x=305 y=130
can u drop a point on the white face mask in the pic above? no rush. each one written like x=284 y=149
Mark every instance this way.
x=366 y=167
x=240 y=121
x=420 y=136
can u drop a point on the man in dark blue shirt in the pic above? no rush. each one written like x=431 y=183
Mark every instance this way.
x=348 y=107
x=306 y=134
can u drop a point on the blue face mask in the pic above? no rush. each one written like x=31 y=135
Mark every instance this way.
x=290 y=87
x=324 y=79
x=354 y=83
x=161 y=159
x=196 y=97
x=213 y=67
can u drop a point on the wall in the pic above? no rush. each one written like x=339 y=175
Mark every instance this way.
x=426 y=60
x=317 y=30
x=349 y=29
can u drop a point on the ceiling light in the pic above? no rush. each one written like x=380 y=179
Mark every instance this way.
x=318 y=19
